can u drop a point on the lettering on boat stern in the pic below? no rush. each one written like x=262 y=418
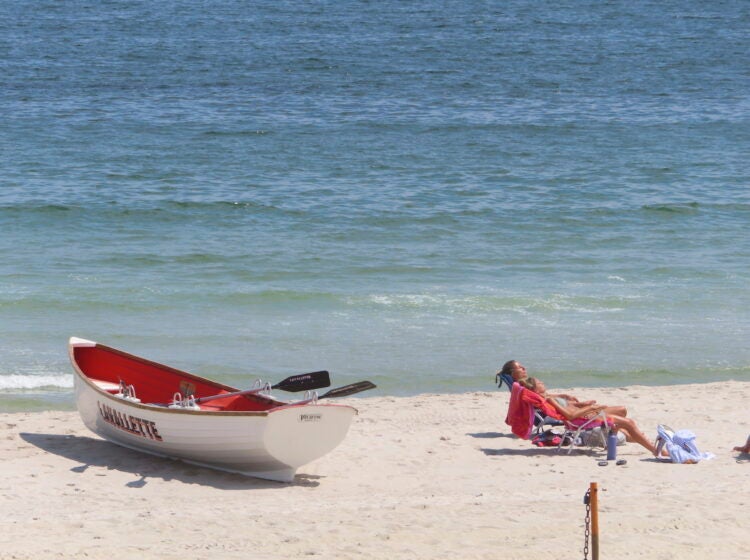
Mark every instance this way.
x=128 y=423
x=310 y=417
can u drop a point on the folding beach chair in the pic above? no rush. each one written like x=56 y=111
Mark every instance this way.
x=526 y=420
x=592 y=433
x=540 y=420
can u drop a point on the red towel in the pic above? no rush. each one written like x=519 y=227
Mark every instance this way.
x=541 y=404
x=520 y=415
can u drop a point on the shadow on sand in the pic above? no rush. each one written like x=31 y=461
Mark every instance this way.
x=488 y=435
x=530 y=452
x=91 y=452
x=542 y=451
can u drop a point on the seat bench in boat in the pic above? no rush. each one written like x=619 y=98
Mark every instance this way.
x=106 y=385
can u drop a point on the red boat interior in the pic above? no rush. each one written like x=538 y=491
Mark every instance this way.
x=156 y=383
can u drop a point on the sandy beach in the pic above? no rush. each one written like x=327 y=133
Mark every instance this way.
x=431 y=476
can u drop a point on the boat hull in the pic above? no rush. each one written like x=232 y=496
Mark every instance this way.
x=269 y=444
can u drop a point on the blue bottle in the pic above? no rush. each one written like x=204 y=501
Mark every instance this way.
x=611 y=446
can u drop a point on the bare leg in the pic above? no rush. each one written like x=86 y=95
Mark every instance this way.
x=616 y=411
x=632 y=433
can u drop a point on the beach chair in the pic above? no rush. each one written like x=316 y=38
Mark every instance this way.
x=591 y=433
x=540 y=420
x=522 y=417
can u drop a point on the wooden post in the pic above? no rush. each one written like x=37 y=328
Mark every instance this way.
x=594 y=520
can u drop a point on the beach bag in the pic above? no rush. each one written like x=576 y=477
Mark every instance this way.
x=547 y=439
x=595 y=438
x=680 y=445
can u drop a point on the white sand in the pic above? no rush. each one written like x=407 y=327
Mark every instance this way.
x=432 y=476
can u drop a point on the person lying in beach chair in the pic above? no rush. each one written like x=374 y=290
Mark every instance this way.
x=540 y=420
x=513 y=370
x=525 y=405
x=575 y=416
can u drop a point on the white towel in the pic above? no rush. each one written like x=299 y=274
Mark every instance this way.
x=682 y=448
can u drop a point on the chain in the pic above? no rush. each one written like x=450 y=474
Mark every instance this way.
x=587 y=522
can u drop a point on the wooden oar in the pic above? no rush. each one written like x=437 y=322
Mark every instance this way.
x=293 y=384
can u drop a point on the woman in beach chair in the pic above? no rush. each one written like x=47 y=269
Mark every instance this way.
x=575 y=416
x=503 y=377
x=513 y=370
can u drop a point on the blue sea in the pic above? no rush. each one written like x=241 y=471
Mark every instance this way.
x=407 y=192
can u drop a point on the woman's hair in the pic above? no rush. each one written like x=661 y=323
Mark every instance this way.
x=508 y=368
x=528 y=383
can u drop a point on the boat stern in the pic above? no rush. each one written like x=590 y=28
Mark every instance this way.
x=297 y=435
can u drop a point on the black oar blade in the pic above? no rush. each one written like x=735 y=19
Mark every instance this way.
x=304 y=382
x=347 y=390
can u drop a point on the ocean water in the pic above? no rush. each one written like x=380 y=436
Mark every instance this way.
x=411 y=193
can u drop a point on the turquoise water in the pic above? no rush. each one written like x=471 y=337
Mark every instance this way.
x=408 y=193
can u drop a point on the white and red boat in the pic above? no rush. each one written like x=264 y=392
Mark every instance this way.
x=160 y=410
